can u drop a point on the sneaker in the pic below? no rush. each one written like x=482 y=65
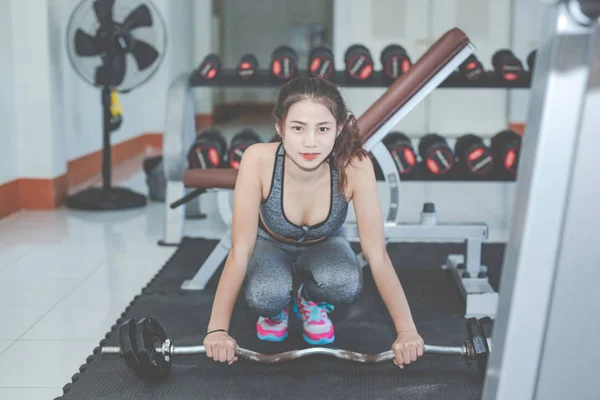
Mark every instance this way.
x=273 y=329
x=318 y=328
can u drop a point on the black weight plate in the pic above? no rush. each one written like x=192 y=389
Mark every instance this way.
x=479 y=342
x=487 y=326
x=128 y=346
x=149 y=335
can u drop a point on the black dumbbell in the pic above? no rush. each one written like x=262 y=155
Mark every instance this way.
x=471 y=69
x=240 y=142
x=395 y=61
x=284 y=63
x=473 y=155
x=359 y=63
x=531 y=60
x=321 y=63
x=208 y=150
x=507 y=66
x=436 y=154
x=506 y=146
x=402 y=152
x=210 y=67
x=247 y=67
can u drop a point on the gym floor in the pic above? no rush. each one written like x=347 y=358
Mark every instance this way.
x=65 y=277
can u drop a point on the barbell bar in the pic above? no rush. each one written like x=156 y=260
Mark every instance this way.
x=148 y=351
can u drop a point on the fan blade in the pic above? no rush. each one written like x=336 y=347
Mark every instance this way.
x=118 y=70
x=144 y=54
x=104 y=10
x=138 y=18
x=85 y=44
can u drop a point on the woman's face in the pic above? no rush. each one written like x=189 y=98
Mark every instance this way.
x=309 y=134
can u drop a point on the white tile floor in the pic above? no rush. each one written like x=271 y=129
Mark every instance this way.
x=66 y=276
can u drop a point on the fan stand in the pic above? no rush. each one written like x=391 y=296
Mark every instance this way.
x=106 y=197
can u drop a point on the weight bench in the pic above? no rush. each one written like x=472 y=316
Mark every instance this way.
x=443 y=58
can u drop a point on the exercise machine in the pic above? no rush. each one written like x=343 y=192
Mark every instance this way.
x=545 y=333
x=437 y=64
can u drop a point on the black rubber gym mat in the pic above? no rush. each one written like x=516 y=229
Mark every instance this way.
x=364 y=326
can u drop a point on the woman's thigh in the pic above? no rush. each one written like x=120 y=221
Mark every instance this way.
x=268 y=282
x=332 y=271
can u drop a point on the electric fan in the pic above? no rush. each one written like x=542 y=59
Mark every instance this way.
x=116 y=46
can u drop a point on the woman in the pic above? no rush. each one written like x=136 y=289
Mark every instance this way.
x=290 y=204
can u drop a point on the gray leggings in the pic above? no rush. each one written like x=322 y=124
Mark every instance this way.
x=329 y=269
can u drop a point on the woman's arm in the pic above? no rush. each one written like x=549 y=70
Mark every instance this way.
x=372 y=242
x=246 y=203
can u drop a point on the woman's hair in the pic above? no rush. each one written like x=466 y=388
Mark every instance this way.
x=347 y=144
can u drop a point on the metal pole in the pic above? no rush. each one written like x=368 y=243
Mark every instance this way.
x=106 y=154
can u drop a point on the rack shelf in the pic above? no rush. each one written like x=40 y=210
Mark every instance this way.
x=228 y=78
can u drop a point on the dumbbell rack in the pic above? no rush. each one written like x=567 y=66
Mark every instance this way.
x=490 y=79
x=263 y=78
x=181 y=99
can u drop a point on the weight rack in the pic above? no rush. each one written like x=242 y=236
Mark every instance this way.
x=227 y=78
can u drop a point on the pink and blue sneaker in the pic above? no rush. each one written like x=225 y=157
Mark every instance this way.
x=273 y=329
x=318 y=328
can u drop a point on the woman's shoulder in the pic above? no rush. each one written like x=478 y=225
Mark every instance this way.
x=260 y=154
x=359 y=166
x=261 y=151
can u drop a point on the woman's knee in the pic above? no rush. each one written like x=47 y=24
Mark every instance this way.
x=267 y=298
x=341 y=283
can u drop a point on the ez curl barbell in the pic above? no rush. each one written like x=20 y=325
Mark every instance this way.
x=148 y=351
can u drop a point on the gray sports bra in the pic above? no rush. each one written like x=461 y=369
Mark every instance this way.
x=274 y=216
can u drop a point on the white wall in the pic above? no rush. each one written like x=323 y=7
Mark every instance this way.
x=376 y=24
x=50 y=114
x=33 y=96
x=487 y=23
x=526 y=28
x=8 y=135
x=143 y=108
x=416 y=25
x=203 y=39
x=260 y=26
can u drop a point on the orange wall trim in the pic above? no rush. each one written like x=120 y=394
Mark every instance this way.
x=45 y=194
x=9 y=198
x=82 y=168
x=518 y=127
x=203 y=121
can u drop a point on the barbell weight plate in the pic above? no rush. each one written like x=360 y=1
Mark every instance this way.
x=149 y=336
x=487 y=325
x=128 y=346
x=479 y=343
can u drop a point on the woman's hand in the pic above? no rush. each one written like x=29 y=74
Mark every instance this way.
x=407 y=347
x=220 y=347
